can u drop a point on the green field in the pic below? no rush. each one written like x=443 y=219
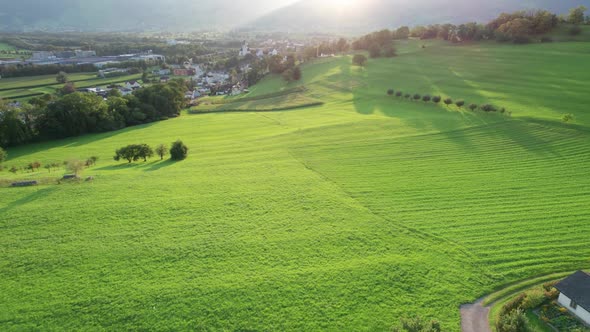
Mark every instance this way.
x=6 y=47
x=340 y=217
x=13 y=88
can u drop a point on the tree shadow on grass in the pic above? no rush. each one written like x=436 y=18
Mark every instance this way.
x=71 y=142
x=117 y=167
x=27 y=199
x=157 y=165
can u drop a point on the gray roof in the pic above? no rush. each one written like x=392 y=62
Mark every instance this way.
x=577 y=288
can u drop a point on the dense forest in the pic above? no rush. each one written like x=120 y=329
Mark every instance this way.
x=76 y=113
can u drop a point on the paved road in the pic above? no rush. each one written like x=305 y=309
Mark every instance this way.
x=474 y=317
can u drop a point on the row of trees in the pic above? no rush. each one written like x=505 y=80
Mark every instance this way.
x=75 y=114
x=74 y=165
x=447 y=101
x=134 y=152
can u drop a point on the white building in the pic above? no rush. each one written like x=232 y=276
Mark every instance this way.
x=245 y=50
x=574 y=295
x=132 y=85
x=274 y=52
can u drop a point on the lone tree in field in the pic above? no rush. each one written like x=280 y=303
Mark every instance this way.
x=399 y=94
x=448 y=101
x=390 y=92
x=178 y=151
x=61 y=77
x=75 y=166
x=417 y=97
x=91 y=161
x=3 y=155
x=145 y=152
x=162 y=151
x=34 y=166
x=359 y=60
x=460 y=103
x=129 y=153
x=426 y=98
x=436 y=99
x=473 y=107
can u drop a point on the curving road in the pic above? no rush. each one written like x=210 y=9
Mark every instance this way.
x=475 y=317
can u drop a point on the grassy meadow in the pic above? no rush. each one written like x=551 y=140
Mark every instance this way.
x=23 y=87
x=344 y=216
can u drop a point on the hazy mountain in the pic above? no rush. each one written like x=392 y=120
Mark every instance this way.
x=369 y=15
x=277 y=15
x=131 y=14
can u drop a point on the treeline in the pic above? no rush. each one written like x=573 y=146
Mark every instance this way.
x=517 y=27
x=377 y=43
x=74 y=114
x=37 y=70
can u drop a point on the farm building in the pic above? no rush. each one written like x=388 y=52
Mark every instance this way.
x=575 y=295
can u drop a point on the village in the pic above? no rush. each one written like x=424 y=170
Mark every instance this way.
x=223 y=73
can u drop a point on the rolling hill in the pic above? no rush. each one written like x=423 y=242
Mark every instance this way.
x=343 y=216
x=309 y=15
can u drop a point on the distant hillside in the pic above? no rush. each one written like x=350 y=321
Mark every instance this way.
x=136 y=15
x=307 y=15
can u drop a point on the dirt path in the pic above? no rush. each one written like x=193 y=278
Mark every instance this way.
x=474 y=317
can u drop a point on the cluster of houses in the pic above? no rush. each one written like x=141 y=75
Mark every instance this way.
x=260 y=52
x=125 y=89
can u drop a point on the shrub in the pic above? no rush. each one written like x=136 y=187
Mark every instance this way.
x=460 y=103
x=448 y=101
x=548 y=286
x=575 y=30
x=534 y=298
x=515 y=321
x=512 y=305
x=418 y=324
x=399 y=94
x=359 y=60
x=75 y=166
x=13 y=169
x=436 y=99
x=178 y=151
x=417 y=97
x=390 y=92
x=567 y=117
x=407 y=96
x=426 y=98
x=488 y=108
x=473 y=107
